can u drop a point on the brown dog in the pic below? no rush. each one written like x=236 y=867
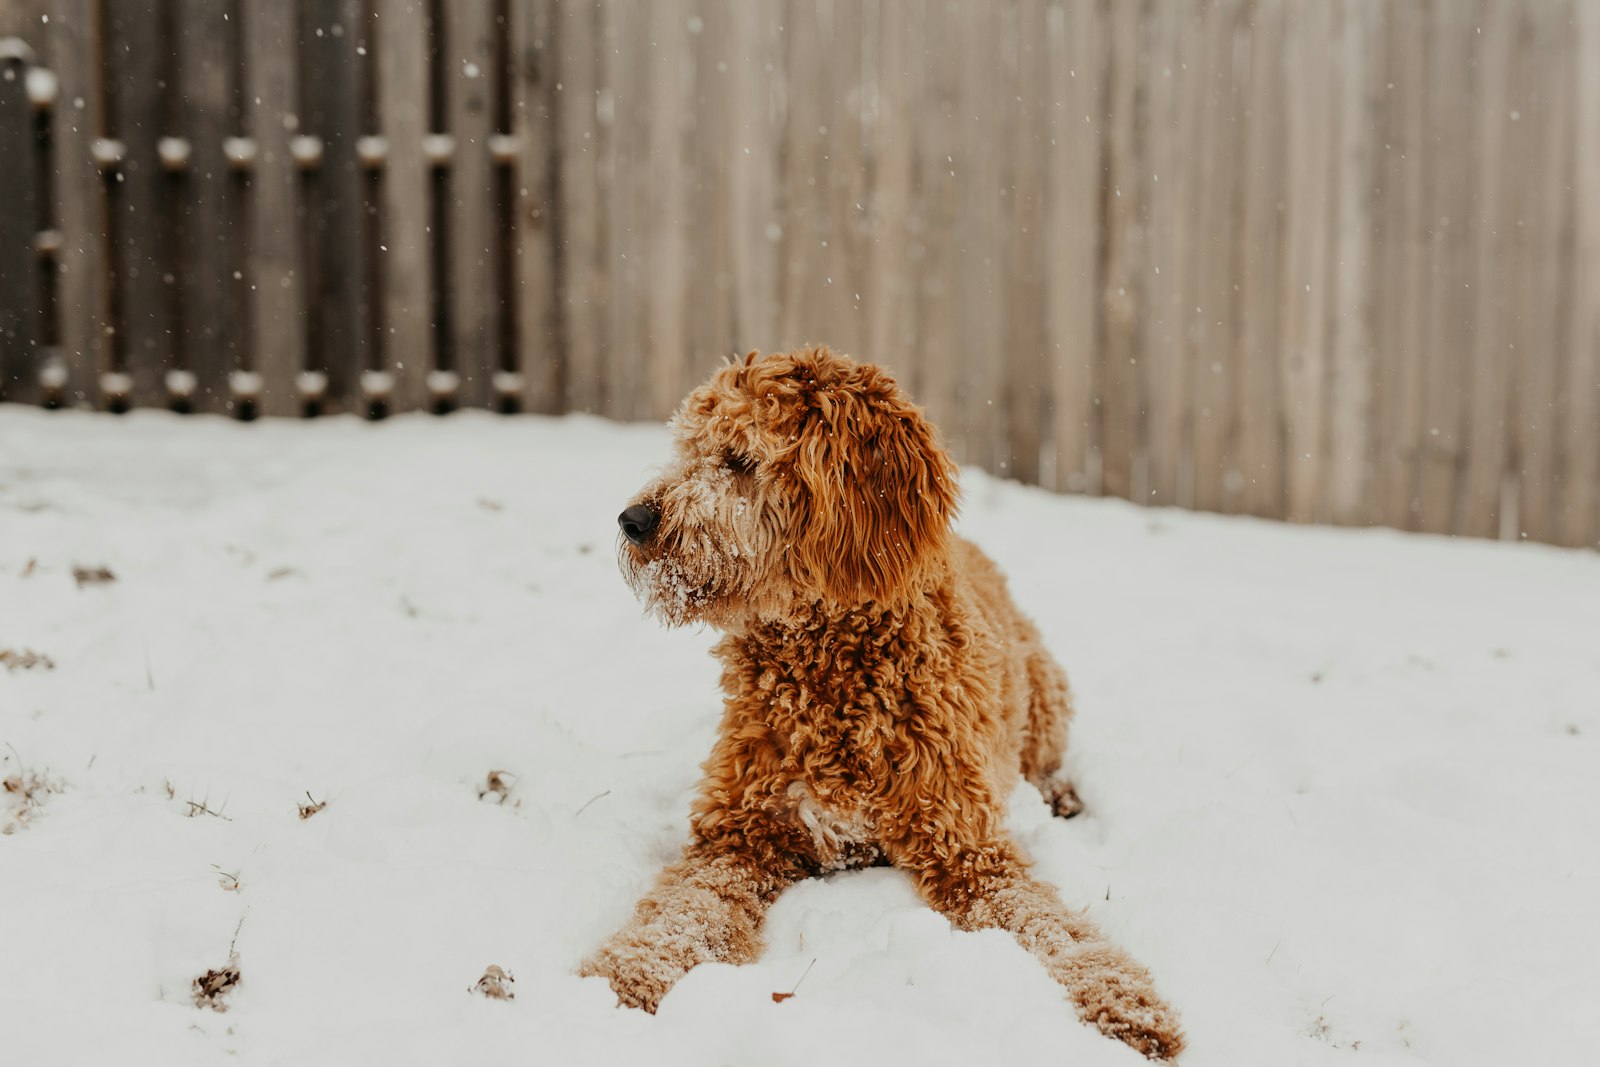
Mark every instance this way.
x=883 y=692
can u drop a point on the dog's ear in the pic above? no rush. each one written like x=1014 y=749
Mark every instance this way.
x=876 y=493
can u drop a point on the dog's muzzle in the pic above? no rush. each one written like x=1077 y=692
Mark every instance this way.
x=638 y=523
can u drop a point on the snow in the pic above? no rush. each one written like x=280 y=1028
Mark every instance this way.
x=1342 y=785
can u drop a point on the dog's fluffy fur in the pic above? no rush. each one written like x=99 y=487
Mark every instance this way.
x=882 y=690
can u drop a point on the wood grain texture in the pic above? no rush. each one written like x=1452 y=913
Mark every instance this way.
x=405 y=251
x=469 y=77
x=21 y=324
x=208 y=340
x=77 y=120
x=1328 y=260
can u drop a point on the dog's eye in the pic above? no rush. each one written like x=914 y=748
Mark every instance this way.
x=738 y=464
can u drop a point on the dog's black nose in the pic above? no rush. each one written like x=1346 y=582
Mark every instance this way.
x=638 y=523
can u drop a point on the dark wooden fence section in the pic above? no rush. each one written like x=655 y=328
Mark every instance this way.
x=1325 y=260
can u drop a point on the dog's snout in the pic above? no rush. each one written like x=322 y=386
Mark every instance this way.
x=638 y=523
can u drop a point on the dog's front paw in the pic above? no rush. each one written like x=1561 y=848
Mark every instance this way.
x=1062 y=798
x=633 y=979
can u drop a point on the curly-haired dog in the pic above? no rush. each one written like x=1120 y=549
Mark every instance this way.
x=883 y=692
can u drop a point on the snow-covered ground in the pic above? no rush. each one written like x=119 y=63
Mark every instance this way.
x=1343 y=786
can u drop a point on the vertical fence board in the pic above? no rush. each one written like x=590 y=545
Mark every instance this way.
x=891 y=310
x=331 y=93
x=1022 y=356
x=208 y=340
x=624 y=104
x=1121 y=283
x=1261 y=455
x=1167 y=230
x=1580 y=512
x=533 y=96
x=846 y=198
x=1451 y=100
x=933 y=246
x=1491 y=363
x=1076 y=35
x=581 y=140
x=1543 y=136
x=1401 y=288
x=1310 y=93
x=707 y=230
x=662 y=202
x=469 y=75
x=1213 y=352
x=980 y=140
x=20 y=326
x=277 y=290
x=805 y=225
x=139 y=196
x=1349 y=467
x=77 y=120
x=754 y=80
x=404 y=244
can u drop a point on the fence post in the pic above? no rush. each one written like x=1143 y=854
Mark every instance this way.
x=19 y=193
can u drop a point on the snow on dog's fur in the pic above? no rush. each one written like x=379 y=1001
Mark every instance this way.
x=882 y=691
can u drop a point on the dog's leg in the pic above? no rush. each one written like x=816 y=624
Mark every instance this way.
x=707 y=906
x=988 y=886
x=1045 y=739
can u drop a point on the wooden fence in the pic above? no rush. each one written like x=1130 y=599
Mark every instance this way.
x=1327 y=260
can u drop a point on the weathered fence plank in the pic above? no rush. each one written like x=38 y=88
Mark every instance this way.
x=1311 y=92
x=585 y=177
x=1401 y=272
x=1022 y=355
x=1579 y=521
x=1120 y=413
x=1072 y=311
x=206 y=341
x=338 y=224
x=1161 y=358
x=754 y=85
x=1449 y=236
x=708 y=321
x=1261 y=449
x=1350 y=353
x=77 y=121
x=660 y=190
x=140 y=220
x=1540 y=151
x=934 y=250
x=278 y=278
x=533 y=92
x=1491 y=366
x=405 y=246
x=890 y=308
x=1213 y=352
x=20 y=328
x=469 y=78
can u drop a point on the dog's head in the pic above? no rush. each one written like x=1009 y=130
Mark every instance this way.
x=798 y=480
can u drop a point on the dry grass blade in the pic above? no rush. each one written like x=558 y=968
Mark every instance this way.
x=23 y=791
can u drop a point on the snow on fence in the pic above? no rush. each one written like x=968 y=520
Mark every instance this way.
x=1326 y=260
